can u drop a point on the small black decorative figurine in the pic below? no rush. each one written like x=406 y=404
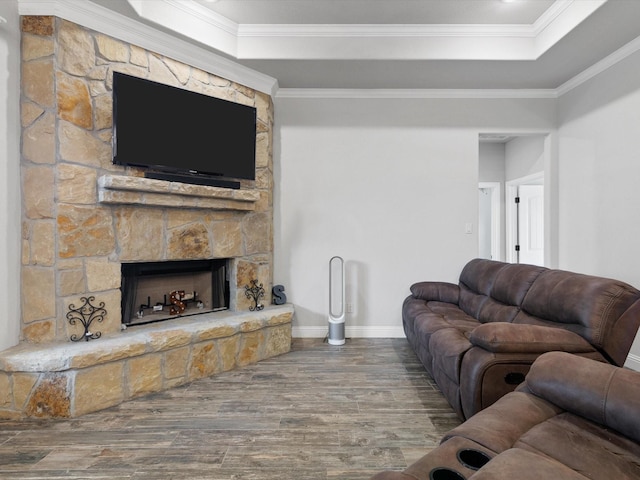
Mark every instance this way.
x=256 y=292
x=279 y=297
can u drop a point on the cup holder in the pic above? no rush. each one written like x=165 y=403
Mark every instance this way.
x=444 y=474
x=472 y=459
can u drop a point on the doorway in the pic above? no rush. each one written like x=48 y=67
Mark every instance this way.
x=515 y=166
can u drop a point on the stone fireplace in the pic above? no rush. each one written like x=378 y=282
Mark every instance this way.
x=84 y=218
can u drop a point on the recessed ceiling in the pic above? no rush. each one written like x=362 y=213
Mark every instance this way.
x=401 y=44
x=444 y=12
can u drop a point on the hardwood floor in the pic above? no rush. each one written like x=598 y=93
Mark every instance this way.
x=318 y=412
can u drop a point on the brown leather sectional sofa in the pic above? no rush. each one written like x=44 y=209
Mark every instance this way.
x=572 y=419
x=479 y=338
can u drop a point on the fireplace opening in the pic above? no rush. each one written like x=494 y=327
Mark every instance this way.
x=156 y=291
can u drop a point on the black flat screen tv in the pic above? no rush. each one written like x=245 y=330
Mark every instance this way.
x=179 y=135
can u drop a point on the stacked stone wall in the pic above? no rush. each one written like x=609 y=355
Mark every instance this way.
x=73 y=244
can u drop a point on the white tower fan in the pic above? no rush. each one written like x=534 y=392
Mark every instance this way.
x=336 y=301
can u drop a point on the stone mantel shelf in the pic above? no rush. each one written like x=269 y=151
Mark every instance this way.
x=130 y=190
x=140 y=340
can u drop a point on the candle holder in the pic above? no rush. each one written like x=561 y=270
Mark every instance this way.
x=255 y=292
x=86 y=314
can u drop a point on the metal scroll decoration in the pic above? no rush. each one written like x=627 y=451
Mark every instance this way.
x=86 y=314
x=255 y=292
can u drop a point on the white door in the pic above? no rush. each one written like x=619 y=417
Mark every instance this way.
x=531 y=224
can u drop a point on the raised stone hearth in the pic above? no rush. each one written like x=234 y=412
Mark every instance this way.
x=68 y=380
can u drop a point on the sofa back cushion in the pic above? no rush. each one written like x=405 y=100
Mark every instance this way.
x=587 y=305
x=600 y=392
x=507 y=292
x=492 y=291
x=476 y=279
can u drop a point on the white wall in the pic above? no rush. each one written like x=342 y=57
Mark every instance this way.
x=524 y=156
x=388 y=184
x=599 y=174
x=599 y=170
x=492 y=166
x=9 y=174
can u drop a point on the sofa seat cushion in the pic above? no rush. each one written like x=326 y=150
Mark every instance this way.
x=433 y=317
x=584 y=446
x=438 y=315
x=425 y=317
x=524 y=465
x=448 y=346
x=413 y=307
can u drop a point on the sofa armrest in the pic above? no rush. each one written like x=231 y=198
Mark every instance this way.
x=436 y=291
x=502 y=337
x=598 y=391
x=499 y=427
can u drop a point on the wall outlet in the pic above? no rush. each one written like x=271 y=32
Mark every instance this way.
x=349 y=307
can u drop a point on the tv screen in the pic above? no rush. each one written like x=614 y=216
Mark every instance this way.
x=171 y=130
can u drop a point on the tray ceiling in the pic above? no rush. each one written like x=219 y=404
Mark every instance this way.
x=400 y=44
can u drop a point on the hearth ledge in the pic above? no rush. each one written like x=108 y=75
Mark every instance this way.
x=72 y=379
x=129 y=190
x=134 y=341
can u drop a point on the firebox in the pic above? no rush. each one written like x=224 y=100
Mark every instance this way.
x=156 y=291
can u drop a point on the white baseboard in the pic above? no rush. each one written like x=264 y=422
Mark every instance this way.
x=391 y=331
x=633 y=362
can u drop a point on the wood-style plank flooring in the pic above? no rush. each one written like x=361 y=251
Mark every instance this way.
x=318 y=412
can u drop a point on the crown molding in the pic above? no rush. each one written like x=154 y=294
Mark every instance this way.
x=206 y=15
x=619 y=55
x=103 y=20
x=191 y=20
x=567 y=15
x=623 y=52
x=551 y=15
x=401 y=42
x=384 y=31
x=330 y=93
